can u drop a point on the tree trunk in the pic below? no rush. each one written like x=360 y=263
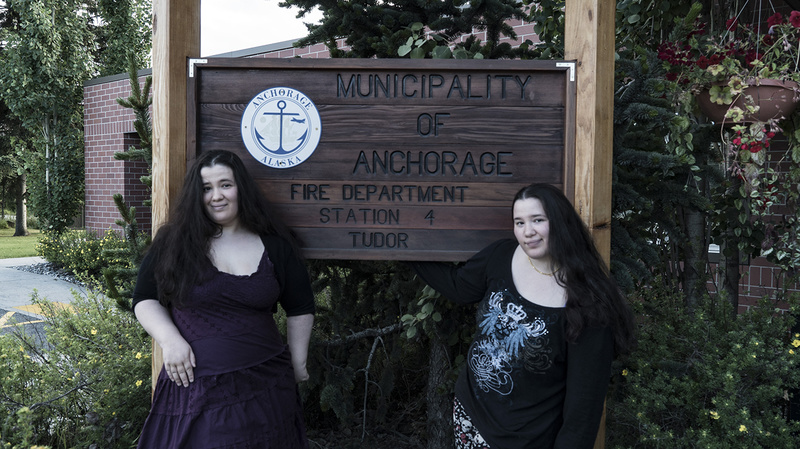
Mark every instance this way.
x=695 y=257
x=21 y=227
x=3 y=200
x=729 y=270
x=440 y=405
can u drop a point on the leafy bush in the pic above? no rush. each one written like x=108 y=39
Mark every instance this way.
x=32 y=222
x=707 y=379
x=82 y=381
x=81 y=252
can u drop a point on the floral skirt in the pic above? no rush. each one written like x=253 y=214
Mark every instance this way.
x=467 y=436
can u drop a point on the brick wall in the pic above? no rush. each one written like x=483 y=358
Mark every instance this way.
x=759 y=278
x=108 y=129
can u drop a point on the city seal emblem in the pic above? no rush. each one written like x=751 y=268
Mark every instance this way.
x=281 y=127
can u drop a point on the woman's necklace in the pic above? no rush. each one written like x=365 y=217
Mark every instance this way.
x=540 y=271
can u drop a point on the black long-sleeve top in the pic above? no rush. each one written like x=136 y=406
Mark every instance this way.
x=524 y=386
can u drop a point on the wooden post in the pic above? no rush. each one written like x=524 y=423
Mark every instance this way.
x=589 y=39
x=176 y=37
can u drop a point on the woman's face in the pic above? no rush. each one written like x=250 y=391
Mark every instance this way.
x=220 y=194
x=532 y=228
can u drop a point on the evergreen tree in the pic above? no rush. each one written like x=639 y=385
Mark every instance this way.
x=120 y=277
x=373 y=28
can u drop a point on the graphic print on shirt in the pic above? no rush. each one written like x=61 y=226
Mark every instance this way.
x=504 y=334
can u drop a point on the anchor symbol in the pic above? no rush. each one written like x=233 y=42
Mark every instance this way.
x=281 y=115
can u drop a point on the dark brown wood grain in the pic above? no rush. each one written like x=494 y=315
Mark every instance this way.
x=417 y=160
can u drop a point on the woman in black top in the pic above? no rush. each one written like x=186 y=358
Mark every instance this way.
x=550 y=322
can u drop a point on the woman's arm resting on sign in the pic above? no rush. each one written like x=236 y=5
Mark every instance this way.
x=178 y=356
x=298 y=335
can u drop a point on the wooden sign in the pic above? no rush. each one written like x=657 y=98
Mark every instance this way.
x=390 y=159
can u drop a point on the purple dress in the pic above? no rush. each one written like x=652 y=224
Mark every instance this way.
x=244 y=393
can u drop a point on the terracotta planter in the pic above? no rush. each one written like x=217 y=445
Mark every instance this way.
x=776 y=99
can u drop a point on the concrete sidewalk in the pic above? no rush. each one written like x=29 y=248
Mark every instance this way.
x=17 y=286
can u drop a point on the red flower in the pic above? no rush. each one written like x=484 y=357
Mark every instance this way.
x=730 y=25
x=752 y=56
x=794 y=19
x=775 y=19
x=737 y=141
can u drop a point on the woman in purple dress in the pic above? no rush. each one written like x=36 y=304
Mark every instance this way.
x=206 y=292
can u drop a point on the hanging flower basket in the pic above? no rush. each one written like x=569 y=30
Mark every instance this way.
x=776 y=99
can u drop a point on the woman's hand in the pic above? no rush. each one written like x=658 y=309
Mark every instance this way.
x=178 y=356
x=179 y=361
x=300 y=373
x=298 y=335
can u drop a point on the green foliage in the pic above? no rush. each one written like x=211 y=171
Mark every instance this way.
x=123 y=34
x=382 y=29
x=139 y=101
x=84 y=253
x=119 y=278
x=775 y=201
x=548 y=19
x=707 y=379
x=45 y=62
x=655 y=174
x=82 y=381
x=359 y=362
x=639 y=22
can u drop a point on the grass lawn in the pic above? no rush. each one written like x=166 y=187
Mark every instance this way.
x=11 y=247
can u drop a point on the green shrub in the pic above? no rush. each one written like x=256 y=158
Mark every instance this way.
x=81 y=252
x=3 y=223
x=32 y=222
x=82 y=382
x=707 y=379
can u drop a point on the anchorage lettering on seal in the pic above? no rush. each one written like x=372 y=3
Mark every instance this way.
x=282 y=92
x=467 y=87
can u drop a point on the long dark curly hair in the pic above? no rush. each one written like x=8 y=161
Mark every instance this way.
x=182 y=244
x=593 y=298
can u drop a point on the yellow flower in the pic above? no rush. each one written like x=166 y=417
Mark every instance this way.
x=138 y=355
x=625 y=372
x=796 y=343
x=791 y=351
x=714 y=415
x=94 y=331
x=742 y=428
x=138 y=383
